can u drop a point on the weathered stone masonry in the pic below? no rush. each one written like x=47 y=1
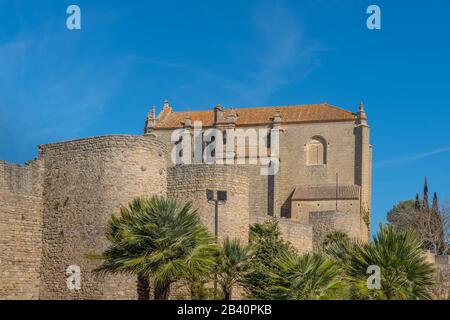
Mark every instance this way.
x=190 y=182
x=54 y=210
x=85 y=182
x=21 y=207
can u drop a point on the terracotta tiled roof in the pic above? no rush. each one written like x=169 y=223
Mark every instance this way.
x=327 y=192
x=262 y=115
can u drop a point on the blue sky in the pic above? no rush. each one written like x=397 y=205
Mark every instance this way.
x=57 y=84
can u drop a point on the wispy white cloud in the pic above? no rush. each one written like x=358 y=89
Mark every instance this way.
x=410 y=158
x=283 y=53
x=277 y=54
x=49 y=92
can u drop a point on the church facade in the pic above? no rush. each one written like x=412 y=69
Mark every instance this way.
x=325 y=161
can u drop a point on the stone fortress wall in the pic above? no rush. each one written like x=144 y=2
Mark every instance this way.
x=21 y=222
x=190 y=182
x=328 y=221
x=54 y=210
x=300 y=235
x=85 y=182
x=442 y=275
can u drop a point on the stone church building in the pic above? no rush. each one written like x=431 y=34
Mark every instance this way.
x=54 y=209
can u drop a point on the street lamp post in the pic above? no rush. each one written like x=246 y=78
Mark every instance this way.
x=220 y=198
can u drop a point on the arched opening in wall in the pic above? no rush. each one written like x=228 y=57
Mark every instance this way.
x=316 y=151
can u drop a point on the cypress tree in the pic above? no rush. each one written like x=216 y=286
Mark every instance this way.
x=435 y=207
x=425 y=205
x=438 y=226
x=417 y=205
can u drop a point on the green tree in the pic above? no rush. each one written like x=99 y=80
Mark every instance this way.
x=395 y=215
x=160 y=240
x=431 y=223
x=267 y=246
x=307 y=277
x=405 y=274
x=233 y=265
x=335 y=237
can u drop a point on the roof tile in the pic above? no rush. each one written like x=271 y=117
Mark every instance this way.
x=262 y=115
x=326 y=192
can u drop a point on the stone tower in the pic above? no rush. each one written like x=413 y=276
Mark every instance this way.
x=85 y=182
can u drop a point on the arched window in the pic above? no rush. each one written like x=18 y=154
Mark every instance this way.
x=316 y=152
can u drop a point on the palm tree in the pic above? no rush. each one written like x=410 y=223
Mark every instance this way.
x=334 y=238
x=307 y=277
x=197 y=278
x=267 y=245
x=232 y=265
x=160 y=240
x=143 y=287
x=404 y=272
x=339 y=247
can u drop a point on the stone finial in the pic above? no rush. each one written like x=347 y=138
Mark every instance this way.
x=187 y=121
x=165 y=111
x=152 y=114
x=167 y=105
x=277 y=118
x=218 y=114
x=150 y=123
x=361 y=115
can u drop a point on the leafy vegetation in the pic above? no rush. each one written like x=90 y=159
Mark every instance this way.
x=307 y=277
x=163 y=243
x=233 y=265
x=365 y=215
x=268 y=247
x=278 y=272
x=404 y=272
x=431 y=223
x=161 y=240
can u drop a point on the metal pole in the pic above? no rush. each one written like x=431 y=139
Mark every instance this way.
x=337 y=186
x=216 y=234
x=216 y=220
